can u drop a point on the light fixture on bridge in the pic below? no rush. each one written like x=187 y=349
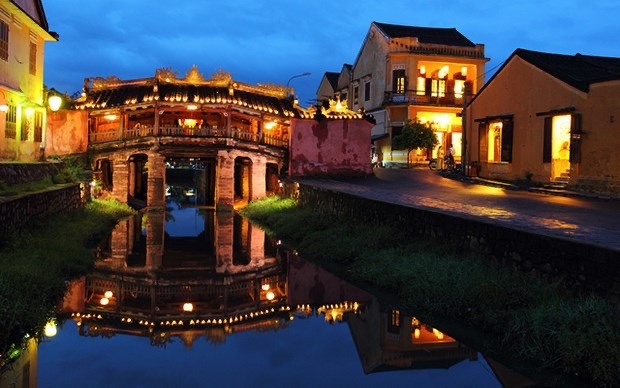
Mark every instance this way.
x=50 y=328
x=192 y=107
x=188 y=307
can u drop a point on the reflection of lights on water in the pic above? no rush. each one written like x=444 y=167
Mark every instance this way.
x=265 y=287
x=108 y=294
x=50 y=329
x=270 y=295
x=104 y=301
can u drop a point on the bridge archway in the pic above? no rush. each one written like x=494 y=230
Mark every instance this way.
x=243 y=179
x=137 y=180
x=102 y=173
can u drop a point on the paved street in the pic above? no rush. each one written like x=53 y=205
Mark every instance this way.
x=590 y=220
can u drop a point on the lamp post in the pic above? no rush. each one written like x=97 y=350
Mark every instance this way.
x=292 y=78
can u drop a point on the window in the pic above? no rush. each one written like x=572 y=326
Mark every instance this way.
x=438 y=88
x=11 y=122
x=394 y=325
x=367 y=91
x=421 y=86
x=356 y=94
x=33 y=58
x=4 y=40
x=459 y=88
x=399 y=81
x=496 y=141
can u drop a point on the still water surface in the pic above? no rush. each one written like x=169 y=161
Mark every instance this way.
x=193 y=298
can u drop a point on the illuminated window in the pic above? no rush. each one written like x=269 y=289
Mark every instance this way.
x=399 y=81
x=11 y=122
x=4 y=40
x=421 y=86
x=496 y=141
x=459 y=88
x=33 y=58
x=438 y=88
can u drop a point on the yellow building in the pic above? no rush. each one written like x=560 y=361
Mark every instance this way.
x=23 y=33
x=411 y=73
x=549 y=118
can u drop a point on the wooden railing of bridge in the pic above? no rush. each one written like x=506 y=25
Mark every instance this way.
x=175 y=131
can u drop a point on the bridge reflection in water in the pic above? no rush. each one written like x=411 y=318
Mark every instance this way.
x=190 y=274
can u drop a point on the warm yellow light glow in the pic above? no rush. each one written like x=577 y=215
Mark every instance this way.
x=265 y=287
x=104 y=301
x=50 y=329
x=270 y=295
x=54 y=102
x=464 y=71
x=416 y=333
x=110 y=117
x=188 y=307
x=192 y=107
x=422 y=69
x=108 y=294
x=270 y=125
x=29 y=111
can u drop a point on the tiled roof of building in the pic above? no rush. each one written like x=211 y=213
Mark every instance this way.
x=431 y=35
x=579 y=71
x=332 y=78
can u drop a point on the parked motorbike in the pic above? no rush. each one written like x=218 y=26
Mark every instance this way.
x=448 y=164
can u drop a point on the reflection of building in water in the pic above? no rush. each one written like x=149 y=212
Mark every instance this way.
x=226 y=277
x=23 y=371
x=389 y=339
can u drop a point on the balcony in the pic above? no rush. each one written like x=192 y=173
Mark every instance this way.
x=415 y=97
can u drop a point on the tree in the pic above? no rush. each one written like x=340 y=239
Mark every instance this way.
x=413 y=136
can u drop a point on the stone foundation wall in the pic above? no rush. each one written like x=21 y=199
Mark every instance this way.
x=17 y=211
x=583 y=266
x=16 y=173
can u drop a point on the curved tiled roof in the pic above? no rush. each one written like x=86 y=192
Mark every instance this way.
x=148 y=93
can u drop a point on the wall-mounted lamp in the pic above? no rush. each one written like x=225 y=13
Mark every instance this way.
x=4 y=107
x=54 y=100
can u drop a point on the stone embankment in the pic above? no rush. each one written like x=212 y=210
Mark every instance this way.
x=586 y=267
x=18 y=210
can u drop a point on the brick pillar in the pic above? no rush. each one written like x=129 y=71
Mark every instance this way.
x=224 y=241
x=257 y=244
x=156 y=182
x=225 y=186
x=154 y=238
x=259 y=179
x=119 y=244
x=120 y=176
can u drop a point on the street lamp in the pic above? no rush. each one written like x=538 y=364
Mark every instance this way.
x=54 y=100
x=293 y=77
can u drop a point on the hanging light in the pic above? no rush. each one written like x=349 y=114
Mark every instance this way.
x=54 y=100
x=188 y=307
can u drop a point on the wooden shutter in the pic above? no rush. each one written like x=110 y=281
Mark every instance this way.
x=575 y=141
x=507 y=131
x=483 y=145
x=546 y=151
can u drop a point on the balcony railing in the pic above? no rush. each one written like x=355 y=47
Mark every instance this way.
x=175 y=131
x=415 y=97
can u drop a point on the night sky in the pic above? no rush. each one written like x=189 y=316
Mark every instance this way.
x=271 y=41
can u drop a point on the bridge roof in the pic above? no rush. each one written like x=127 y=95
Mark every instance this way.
x=219 y=92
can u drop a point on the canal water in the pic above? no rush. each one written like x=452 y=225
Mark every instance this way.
x=193 y=298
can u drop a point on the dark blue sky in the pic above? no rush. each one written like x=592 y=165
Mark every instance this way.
x=270 y=41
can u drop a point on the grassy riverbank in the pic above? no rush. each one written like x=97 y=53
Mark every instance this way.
x=535 y=322
x=38 y=262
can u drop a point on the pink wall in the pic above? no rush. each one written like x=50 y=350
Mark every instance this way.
x=329 y=147
x=67 y=133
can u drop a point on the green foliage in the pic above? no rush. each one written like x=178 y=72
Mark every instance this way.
x=535 y=321
x=37 y=263
x=415 y=135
